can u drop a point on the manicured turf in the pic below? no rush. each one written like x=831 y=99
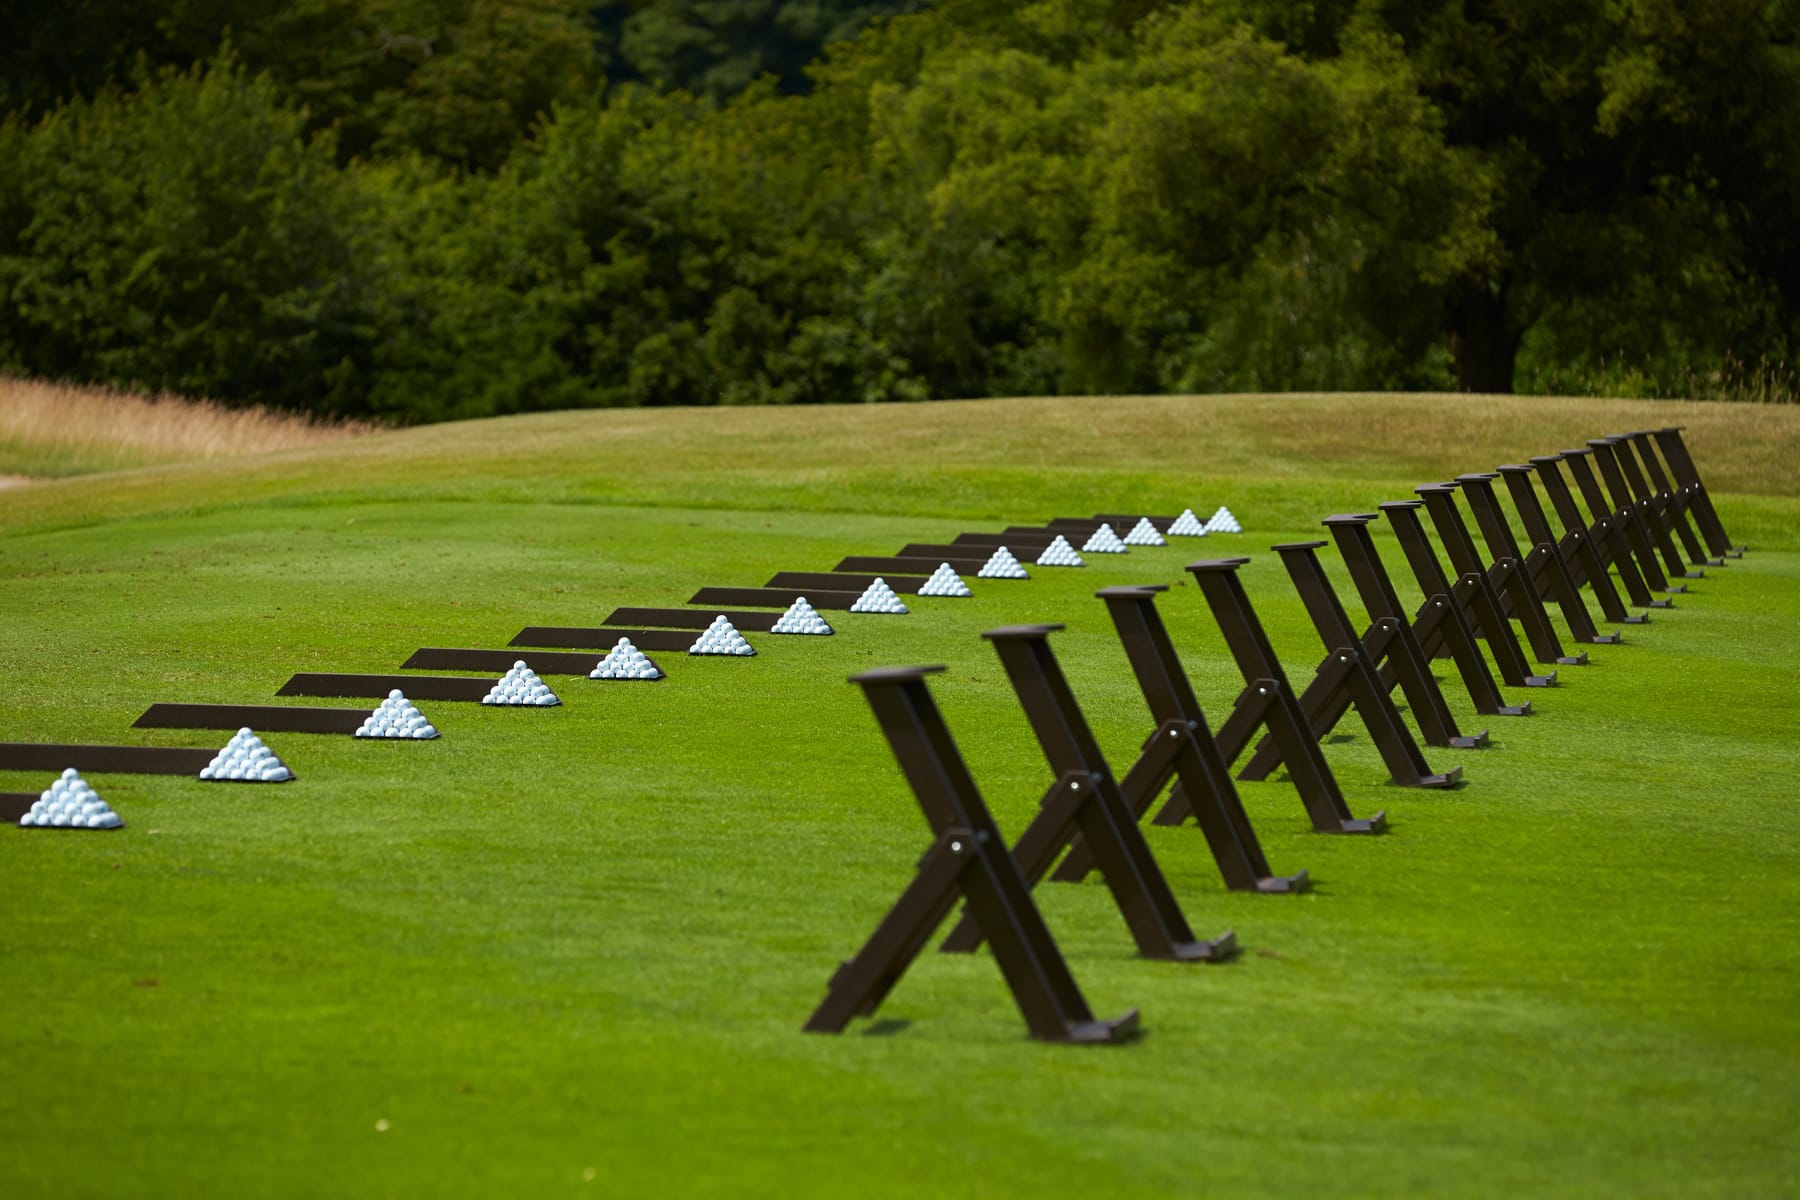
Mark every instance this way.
x=571 y=949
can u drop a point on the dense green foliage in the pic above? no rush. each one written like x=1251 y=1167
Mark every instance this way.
x=434 y=208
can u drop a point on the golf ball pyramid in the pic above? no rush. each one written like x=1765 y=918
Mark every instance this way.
x=1105 y=541
x=1223 y=522
x=801 y=617
x=721 y=637
x=396 y=718
x=1060 y=554
x=521 y=686
x=1002 y=565
x=70 y=803
x=1144 y=534
x=1187 y=525
x=626 y=661
x=246 y=759
x=944 y=582
x=879 y=598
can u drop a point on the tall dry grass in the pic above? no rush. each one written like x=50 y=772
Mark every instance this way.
x=54 y=430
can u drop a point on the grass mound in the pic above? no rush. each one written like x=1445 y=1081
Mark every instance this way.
x=573 y=946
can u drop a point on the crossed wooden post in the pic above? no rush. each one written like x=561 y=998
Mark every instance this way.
x=1181 y=750
x=1085 y=798
x=1391 y=641
x=1629 y=540
x=1346 y=678
x=1506 y=570
x=1669 y=501
x=968 y=860
x=1444 y=625
x=1476 y=590
x=1606 y=535
x=1546 y=575
x=1681 y=466
x=1578 y=545
x=1614 y=469
x=1267 y=703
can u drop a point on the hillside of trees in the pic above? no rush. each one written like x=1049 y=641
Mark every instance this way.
x=427 y=209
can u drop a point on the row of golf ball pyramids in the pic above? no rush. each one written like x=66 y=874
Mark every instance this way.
x=1104 y=540
x=625 y=661
x=71 y=802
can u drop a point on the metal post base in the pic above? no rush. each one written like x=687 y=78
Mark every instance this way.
x=1218 y=950
x=1089 y=1033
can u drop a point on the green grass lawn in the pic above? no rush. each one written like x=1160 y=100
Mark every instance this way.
x=570 y=950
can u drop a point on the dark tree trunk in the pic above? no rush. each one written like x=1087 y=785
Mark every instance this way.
x=1482 y=341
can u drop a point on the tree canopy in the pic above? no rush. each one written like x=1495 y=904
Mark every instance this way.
x=431 y=208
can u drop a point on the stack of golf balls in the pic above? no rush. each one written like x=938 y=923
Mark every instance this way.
x=721 y=637
x=944 y=582
x=879 y=598
x=70 y=803
x=1187 y=525
x=396 y=718
x=245 y=758
x=801 y=617
x=1223 y=522
x=626 y=661
x=1002 y=565
x=521 y=685
x=1104 y=541
x=1060 y=554
x=1144 y=534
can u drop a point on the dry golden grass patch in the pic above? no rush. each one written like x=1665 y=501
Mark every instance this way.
x=49 y=429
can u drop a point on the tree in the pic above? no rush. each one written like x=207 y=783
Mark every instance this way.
x=1643 y=154
x=717 y=48
x=187 y=236
x=461 y=81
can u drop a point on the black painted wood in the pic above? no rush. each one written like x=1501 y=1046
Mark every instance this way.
x=905 y=564
x=123 y=760
x=264 y=718
x=743 y=620
x=544 y=662
x=765 y=597
x=968 y=860
x=836 y=581
x=602 y=638
x=416 y=687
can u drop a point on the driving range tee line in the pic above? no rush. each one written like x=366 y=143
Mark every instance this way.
x=544 y=662
x=962 y=564
x=267 y=718
x=416 y=687
x=690 y=618
x=768 y=597
x=122 y=760
x=830 y=581
x=605 y=637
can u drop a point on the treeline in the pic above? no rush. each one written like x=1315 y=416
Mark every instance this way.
x=423 y=209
